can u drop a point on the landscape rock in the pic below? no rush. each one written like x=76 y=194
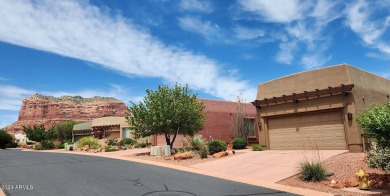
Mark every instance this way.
x=171 y=158
x=352 y=182
x=230 y=146
x=336 y=185
x=182 y=156
x=220 y=154
x=86 y=148
x=48 y=110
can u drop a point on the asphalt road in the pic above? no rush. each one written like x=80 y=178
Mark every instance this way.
x=39 y=173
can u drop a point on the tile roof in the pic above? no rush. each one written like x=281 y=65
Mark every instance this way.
x=82 y=126
x=109 y=121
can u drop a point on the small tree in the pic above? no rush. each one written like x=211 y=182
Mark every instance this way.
x=5 y=138
x=64 y=129
x=239 y=122
x=39 y=134
x=375 y=121
x=168 y=111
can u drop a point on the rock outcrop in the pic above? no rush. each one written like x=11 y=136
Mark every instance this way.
x=48 y=110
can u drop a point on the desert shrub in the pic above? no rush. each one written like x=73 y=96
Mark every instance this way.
x=112 y=141
x=5 y=139
x=38 y=146
x=256 y=147
x=217 y=146
x=197 y=142
x=375 y=122
x=57 y=144
x=127 y=142
x=239 y=143
x=204 y=153
x=110 y=148
x=141 y=145
x=312 y=171
x=47 y=145
x=11 y=145
x=379 y=158
x=92 y=142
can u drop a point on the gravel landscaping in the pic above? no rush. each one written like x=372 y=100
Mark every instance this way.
x=343 y=166
x=187 y=162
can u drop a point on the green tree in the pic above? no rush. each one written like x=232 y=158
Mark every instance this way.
x=5 y=138
x=375 y=121
x=168 y=111
x=64 y=129
x=39 y=134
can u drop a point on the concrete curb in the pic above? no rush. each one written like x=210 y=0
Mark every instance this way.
x=284 y=188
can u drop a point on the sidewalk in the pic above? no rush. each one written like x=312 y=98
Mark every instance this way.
x=203 y=170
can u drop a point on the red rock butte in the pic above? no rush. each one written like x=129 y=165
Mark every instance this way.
x=48 y=110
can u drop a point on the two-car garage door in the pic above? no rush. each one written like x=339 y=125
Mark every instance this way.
x=323 y=130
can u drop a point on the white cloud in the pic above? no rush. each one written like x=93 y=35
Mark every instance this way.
x=359 y=19
x=244 y=33
x=275 y=10
x=196 y=5
x=287 y=52
x=303 y=22
x=11 y=97
x=79 y=30
x=1 y=78
x=314 y=60
x=194 y=24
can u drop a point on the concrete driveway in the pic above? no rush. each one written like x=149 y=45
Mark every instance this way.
x=269 y=166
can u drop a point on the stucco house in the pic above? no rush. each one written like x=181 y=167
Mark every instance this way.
x=316 y=109
x=219 y=118
x=103 y=128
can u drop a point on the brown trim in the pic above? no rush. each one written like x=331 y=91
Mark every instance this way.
x=305 y=95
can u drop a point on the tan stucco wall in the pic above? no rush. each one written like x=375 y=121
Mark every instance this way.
x=304 y=81
x=373 y=88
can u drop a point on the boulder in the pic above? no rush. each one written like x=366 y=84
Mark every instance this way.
x=86 y=148
x=336 y=185
x=230 y=146
x=182 y=156
x=220 y=154
x=171 y=158
x=352 y=182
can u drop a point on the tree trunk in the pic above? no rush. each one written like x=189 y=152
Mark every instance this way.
x=168 y=139
x=174 y=137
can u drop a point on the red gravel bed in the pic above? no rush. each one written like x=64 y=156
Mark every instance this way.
x=343 y=166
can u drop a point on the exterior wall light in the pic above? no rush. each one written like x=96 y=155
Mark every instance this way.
x=349 y=116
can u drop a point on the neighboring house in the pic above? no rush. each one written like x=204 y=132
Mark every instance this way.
x=219 y=119
x=81 y=130
x=21 y=138
x=104 y=127
x=317 y=109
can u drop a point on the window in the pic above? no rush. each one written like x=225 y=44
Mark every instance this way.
x=250 y=123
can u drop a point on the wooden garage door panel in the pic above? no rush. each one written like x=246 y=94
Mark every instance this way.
x=322 y=131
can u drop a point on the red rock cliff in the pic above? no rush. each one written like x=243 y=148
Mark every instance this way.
x=39 y=109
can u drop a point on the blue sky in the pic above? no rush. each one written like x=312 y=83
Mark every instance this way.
x=221 y=49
